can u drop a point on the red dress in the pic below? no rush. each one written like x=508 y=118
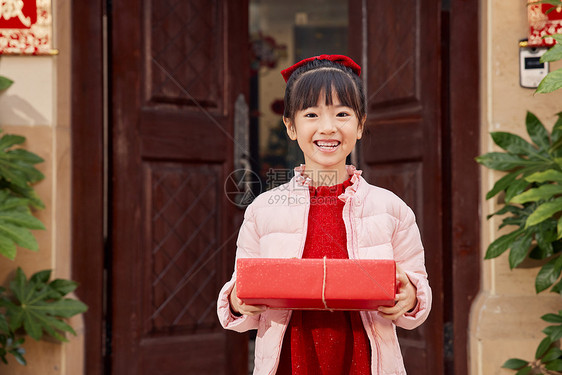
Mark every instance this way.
x=325 y=342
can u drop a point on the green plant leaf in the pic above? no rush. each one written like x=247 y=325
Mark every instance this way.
x=537 y=131
x=548 y=274
x=557 y=288
x=11 y=175
x=10 y=345
x=21 y=219
x=20 y=236
x=502 y=184
x=553 y=332
x=16 y=221
x=551 y=355
x=35 y=309
x=65 y=307
x=545 y=235
x=24 y=156
x=544 y=211
x=553 y=54
x=28 y=194
x=17 y=170
x=516 y=188
x=543 y=347
x=552 y=318
x=550 y=83
x=8 y=248
x=549 y=175
x=558 y=161
x=9 y=140
x=17 y=173
x=505 y=209
x=513 y=143
x=41 y=277
x=500 y=245
x=524 y=371
x=513 y=221
x=63 y=287
x=4 y=324
x=7 y=201
x=32 y=325
x=519 y=249
x=515 y=363
x=556 y=134
x=18 y=355
x=505 y=162
x=543 y=192
x=5 y=83
x=555 y=365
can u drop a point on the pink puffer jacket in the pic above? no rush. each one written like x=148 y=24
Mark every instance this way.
x=379 y=226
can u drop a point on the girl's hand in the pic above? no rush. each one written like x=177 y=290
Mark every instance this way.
x=239 y=307
x=405 y=299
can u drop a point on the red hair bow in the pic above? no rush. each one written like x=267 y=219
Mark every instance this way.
x=340 y=59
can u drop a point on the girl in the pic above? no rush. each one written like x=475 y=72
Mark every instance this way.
x=329 y=210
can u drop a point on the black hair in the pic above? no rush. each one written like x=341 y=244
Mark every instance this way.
x=321 y=77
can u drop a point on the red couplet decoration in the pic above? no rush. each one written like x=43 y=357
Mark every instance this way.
x=319 y=284
x=26 y=27
x=16 y=14
x=544 y=20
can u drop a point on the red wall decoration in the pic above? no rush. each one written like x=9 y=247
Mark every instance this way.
x=544 y=20
x=25 y=27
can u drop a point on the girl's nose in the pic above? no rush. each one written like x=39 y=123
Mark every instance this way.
x=328 y=126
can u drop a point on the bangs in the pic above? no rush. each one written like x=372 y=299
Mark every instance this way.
x=310 y=87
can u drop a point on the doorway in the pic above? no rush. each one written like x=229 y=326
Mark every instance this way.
x=282 y=33
x=150 y=116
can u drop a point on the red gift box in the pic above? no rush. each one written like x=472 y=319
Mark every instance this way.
x=319 y=284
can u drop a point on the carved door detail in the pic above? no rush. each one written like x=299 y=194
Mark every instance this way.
x=177 y=69
x=401 y=149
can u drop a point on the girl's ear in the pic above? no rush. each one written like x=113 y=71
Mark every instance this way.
x=291 y=131
x=361 y=126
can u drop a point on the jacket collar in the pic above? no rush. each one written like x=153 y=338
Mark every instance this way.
x=300 y=182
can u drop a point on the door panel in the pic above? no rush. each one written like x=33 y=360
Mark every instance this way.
x=401 y=149
x=177 y=67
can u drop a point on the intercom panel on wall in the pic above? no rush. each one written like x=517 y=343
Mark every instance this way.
x=531 y=69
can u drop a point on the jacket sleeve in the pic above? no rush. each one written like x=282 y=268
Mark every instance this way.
x=409 y=255
x=247 y=246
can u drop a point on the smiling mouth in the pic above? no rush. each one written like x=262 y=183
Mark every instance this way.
x=327 y=145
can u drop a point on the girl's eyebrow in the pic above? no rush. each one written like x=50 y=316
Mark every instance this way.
x=333 y=105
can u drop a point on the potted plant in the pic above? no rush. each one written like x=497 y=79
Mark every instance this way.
x=28 y=306
x=531 y=191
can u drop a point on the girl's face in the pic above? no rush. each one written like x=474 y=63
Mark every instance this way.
x=326 y=134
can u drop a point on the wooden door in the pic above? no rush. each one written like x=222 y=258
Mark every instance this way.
x=401 y=149
x=177 y=69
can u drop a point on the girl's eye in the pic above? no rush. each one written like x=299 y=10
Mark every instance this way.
x=343 y=114
x=310 y=115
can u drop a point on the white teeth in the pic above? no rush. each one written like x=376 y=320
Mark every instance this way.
x=330 y=144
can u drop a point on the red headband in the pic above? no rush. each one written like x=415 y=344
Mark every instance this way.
x=340 y=59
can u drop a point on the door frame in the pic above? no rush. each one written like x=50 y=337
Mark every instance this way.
x=87 y=170
x=461 y=111
x=463 y=136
